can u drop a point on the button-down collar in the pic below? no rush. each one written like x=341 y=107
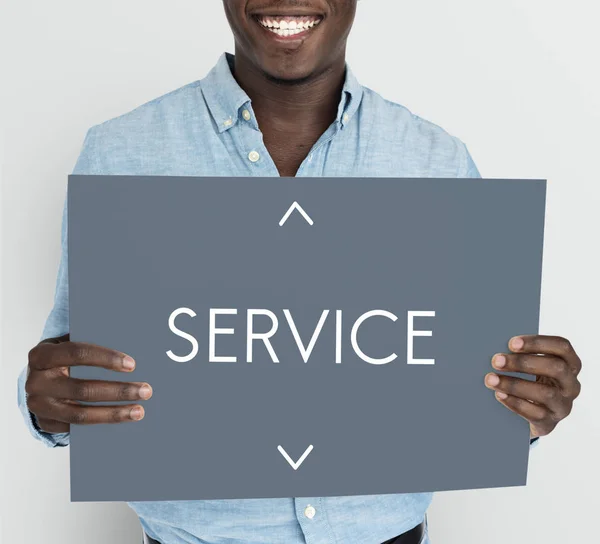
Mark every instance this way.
x=352 y=93
x=225 y=97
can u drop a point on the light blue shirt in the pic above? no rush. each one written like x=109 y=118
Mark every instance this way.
x=208 y=128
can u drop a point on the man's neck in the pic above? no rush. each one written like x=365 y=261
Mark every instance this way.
x=308 y=103
x=291 y=116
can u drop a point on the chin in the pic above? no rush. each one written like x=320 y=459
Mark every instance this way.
x=289 y=77
x=288 y=71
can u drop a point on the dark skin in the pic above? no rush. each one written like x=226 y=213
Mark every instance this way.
x=295 y=84
x=291 y=119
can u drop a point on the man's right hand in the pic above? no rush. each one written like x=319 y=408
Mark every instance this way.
x=54 y=397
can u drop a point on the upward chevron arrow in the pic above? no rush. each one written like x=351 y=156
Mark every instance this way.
x=295 y=206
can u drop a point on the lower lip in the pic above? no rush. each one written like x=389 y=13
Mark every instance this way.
x=291 y=38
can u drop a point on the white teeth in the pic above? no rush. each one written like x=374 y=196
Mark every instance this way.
x=287 y=27
x=285 y=32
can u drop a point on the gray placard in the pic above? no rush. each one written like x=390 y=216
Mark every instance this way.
x=140 y=248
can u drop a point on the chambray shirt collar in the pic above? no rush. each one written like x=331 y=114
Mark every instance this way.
x=352 y=93
x=225 y=97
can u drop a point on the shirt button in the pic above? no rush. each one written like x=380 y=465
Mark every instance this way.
x=253 y=156
x=310 y=512
x=228 y=122
x=246 y=115
x=346 y=117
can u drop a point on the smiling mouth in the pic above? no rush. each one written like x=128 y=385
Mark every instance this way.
x=288 y=26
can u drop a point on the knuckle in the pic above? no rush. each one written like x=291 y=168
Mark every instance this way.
x=565 y=410
x=70 y=350
x=34 y=356
x=508 y=385
x=117 y=415
x=34 y=404
x=564 y=345
x=533 y=342
x=560 y=369
x=79 y=416
x=544 y=430
x=31 y=385
x=127 y=392
x=82 y=391
x=81 y=354
x=514 y=402
x=549 y=394
x=44 y=425
x=522 y=362
x=52 y=426
x=74 y=352
x=558 y=415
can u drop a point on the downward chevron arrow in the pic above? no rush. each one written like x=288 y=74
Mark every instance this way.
x=296 y=464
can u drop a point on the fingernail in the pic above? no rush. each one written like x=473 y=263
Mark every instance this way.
x=145 y=391
x=501 y=395
x=516 y=343
x=499 y=361
x=128 y=363
x=136 y=413
x=492 y=380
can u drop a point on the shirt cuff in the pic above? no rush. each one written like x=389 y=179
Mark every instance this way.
x=51 y=440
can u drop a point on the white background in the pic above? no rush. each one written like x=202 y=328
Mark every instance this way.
x=517 y=81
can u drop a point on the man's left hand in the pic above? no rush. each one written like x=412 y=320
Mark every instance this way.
x=547 y=400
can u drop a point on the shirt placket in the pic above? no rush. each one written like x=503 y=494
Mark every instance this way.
x=311 y=165
x=256 y=157
x=313 y=520
x=251 y=146
x=310 y=512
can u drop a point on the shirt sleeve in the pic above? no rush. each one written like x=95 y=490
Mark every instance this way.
x=468 y=170
x=57 y=323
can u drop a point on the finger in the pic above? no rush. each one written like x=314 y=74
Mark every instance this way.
x=46 y=355
x=548 y=366
x=548 y=345
x=78 y=414
x=58 y=339
x=538 y=416
x=88 y=390
x=543 y=394
x=51 y=426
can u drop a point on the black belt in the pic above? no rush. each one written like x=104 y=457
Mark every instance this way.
x=414 y=536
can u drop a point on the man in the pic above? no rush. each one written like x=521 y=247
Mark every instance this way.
x=285 y=105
